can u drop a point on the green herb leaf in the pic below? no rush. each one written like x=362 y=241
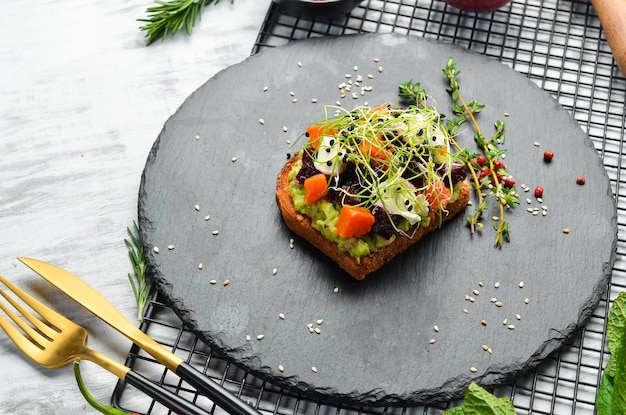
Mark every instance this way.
x=139 y=281
x=611 y=395
x=480 y=402
x=168 y=17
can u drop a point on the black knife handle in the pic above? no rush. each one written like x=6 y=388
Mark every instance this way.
x=214 y=391
x=167 y=398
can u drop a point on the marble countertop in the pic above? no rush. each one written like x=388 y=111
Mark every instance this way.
x=82 y=99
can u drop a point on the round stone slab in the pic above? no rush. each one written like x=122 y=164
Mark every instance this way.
x=450 y=310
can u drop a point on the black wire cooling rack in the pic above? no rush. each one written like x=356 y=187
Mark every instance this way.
x=559 y=45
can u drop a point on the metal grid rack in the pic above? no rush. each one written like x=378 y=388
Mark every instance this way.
x=560 y=46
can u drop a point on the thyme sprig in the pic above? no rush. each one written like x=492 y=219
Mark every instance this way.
x=139 y=281
x=505 y=195
x=168 y=17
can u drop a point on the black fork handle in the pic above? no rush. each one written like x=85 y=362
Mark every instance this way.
x=216 y=392
x=162 y=395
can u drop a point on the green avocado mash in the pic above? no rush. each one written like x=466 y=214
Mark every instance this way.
x=324 y=216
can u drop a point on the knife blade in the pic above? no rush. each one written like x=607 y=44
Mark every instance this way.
x=96 y=303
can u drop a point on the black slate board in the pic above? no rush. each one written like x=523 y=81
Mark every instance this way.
x=374 y=341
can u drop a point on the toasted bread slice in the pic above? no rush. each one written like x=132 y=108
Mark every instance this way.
x=301 y=225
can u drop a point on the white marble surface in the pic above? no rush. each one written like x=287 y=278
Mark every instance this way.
x=82 y=98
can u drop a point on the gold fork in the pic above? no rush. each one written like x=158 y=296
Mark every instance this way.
x=53 y=341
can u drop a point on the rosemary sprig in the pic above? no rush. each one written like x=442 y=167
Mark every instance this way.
x=505 y=195
x=141 y=285
x=168 y=17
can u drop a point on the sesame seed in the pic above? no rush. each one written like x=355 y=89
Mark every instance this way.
x=213 y=282
x=260 y=337
x=498 y=303
x=476 y=292
x=505 y=321
x=370 y=76
x=207 y=217
x=281 y=368
x=380 y=69
x=518 y=317
x=226 y=282
x=292 y=93
x=317 y=330
x=431 y=341
x=336 y=289
x=265 y=88
x=506 y=114
x=281 y=316
x=483 y=322
x=511 y=327
x=284 y=128
x=197 y=207
x=467 y=297
x=481 y=284
x=216 y=232
x=294 y=100
x=436 y=328
x=473 y=369
x=566 y=231
x=314 y=369
x=234 y=159
x=521 y=284
x=376 y=60
x=156 y=249
x=170 y=247
x=497 y=285
x=320 y=321
x=526 y=300
x=536 y=144
x=261 y=121
x=197 y=137
x=485 y=347
x=299 y=64
x=314 y=100
x=493 y=300
x=291 y=243
x=248 y=338
x=200 y=266
x=465 y=311
x=274 y=271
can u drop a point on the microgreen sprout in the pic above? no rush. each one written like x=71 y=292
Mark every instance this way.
x=396 y=154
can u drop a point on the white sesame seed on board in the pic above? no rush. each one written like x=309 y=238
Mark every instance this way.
x=215 y=232
x=207 y=217
x=274 y=271
x=431 y=341
x=473 y=369
x=260 y=337
x=281 y=368
x=226 y=282
x=156 y=249
x=436 y=328
x=314 y=369
x=320 y=321
x=248 y=338
x=234 y=159
x=213 y=282
x=281 y=316
x=170 y=247
x=197 y=207
x=261 y=121
x=200 y=266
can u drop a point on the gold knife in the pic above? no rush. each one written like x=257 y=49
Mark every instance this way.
x=96 y=303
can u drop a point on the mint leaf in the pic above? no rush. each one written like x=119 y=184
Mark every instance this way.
x=480 y=402
x=616 y=325
x=604 y=396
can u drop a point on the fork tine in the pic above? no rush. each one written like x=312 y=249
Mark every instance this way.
x=23 y=343
x=43 y=311
x=39 y=332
